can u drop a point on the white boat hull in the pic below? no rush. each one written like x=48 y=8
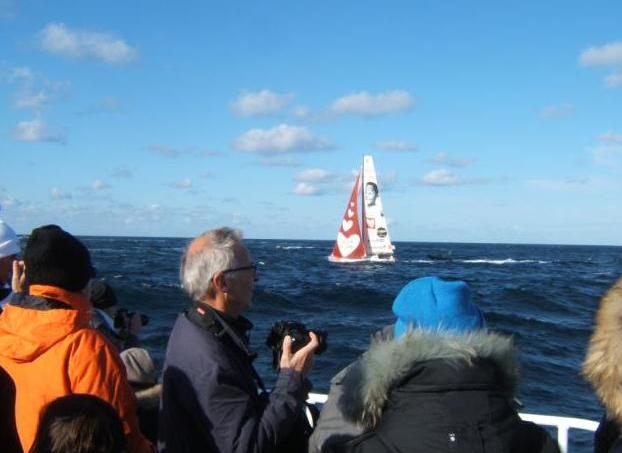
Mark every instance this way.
x=382 y=259
x=367 y=259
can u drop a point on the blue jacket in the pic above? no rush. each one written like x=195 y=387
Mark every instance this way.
x=210 y=400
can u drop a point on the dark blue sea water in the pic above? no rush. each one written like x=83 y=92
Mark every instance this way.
x=544 y=296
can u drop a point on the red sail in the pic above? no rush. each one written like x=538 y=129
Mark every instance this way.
x=349 y=244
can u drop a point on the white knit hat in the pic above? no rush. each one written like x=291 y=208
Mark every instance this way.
x=139 y=366
x=9 y=242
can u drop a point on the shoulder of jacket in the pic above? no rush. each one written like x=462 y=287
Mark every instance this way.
x=90 y=342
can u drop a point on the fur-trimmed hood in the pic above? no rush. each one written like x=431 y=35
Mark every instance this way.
x=369 y=381
x=603 y=363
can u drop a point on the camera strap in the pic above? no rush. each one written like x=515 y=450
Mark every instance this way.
x=209 y=319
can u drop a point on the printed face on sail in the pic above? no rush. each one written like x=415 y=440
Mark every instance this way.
x=371 y=192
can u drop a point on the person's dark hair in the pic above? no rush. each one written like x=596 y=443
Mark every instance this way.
x=373 y=186
x=79 y=424
x=54 y=257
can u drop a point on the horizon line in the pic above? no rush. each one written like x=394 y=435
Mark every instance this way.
x=332 y=240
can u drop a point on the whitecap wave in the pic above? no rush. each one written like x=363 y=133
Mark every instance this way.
x=294 y=247
x=505 y=261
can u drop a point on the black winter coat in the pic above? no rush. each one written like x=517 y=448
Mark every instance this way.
x=9 y=440
x=210 y=401
x=430 y=393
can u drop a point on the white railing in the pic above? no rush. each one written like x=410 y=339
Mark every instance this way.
x=562 y=424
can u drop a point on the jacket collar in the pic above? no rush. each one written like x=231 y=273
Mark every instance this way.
x=75 y=300
x=368 y=382
x=217 y=322
x=236 y=331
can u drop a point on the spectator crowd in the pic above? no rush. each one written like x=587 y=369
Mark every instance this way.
x=74 y=377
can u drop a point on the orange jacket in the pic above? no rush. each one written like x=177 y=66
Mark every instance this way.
x=53 y=352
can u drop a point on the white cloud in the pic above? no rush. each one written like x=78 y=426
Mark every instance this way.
x=396 y=145
x=35 y=101
x=301 y=112
x=99 y=184
x=121 y=173
x=278 y=161
x=366 y=104
x=388 y=180
x=239 y=219
x=607 y=55
x=21 y=73
x=280 y=139
x=34 y=91
x=614 y=79
x=169 y=151
x=441 y=177
x=58 y=194
x=557 y=111
x=164 y=150
x=58 y=39
x=314 y=175
x=609 y=155
x=7 y=200
x=564 y=184
x=36 y=131
x=185 y=183
x=260 y=103
x=304 y=188
x=610 y=137
x=444 y=158
x=107 y=104
x=206 y=153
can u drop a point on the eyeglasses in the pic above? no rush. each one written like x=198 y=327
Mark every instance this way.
x=250 y=267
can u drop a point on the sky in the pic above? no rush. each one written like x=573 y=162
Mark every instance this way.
x=488 y=121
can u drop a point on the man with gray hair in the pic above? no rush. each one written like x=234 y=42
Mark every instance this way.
x=210 y=399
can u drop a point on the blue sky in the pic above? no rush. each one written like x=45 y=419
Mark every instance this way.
x=488 y=121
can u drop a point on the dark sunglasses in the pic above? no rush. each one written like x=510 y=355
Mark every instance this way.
x=250 y=267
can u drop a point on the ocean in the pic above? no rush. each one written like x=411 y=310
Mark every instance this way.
x=545 y=296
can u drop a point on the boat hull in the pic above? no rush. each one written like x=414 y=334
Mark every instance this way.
x=367 y=259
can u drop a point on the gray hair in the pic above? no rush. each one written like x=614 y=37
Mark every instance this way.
x=216 y=254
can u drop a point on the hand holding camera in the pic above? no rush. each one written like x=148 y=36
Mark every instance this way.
x=301 y=360
x=293 y=346
x=130 y=322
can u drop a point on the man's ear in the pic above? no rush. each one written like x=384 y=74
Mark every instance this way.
x=220 y=282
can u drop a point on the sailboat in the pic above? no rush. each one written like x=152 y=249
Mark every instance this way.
x=369 y=240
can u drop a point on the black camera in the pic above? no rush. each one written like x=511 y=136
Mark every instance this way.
x=122 y=314
x=299 y=335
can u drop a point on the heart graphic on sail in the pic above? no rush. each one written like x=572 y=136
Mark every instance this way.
x=350 y=213
x=347 y=244
x=346 y=224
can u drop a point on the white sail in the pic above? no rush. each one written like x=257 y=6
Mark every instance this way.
x=375 y=229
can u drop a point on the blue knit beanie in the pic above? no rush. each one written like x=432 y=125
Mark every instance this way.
x=433 y=304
